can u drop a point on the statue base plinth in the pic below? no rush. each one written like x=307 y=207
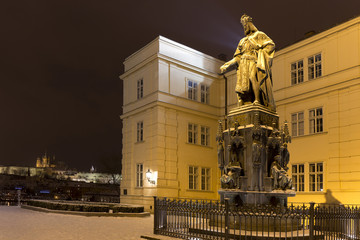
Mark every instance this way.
x=245 y=115
x=240 y=197
x=253 y=201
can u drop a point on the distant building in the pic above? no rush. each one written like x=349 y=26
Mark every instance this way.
x=173 y=98
x=93 y=177
x=21 y=171
x=45 y=162
x=88 y=177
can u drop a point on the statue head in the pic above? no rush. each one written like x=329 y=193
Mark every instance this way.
x=277 y=159
x=248 y=25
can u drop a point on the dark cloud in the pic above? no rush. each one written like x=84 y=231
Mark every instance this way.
x=60 y=62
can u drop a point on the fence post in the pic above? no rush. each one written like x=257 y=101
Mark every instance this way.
x=226 y=218
x=164 y=213
x=311 y=220
x=156 y=221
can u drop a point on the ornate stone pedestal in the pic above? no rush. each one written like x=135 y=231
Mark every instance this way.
x=253 y=158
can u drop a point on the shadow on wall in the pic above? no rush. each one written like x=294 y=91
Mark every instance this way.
x=330 y=199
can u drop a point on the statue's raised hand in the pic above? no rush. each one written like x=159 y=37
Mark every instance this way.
x=224 y=67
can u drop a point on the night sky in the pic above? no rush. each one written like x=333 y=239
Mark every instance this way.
x=60 y=90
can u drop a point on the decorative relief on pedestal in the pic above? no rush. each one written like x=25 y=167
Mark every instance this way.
x=256 y=153
x=279 y=157
x=220 y=146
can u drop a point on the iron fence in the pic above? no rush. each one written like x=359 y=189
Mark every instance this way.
x=206 y=219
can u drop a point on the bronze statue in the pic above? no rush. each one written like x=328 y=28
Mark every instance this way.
x=281 y=179
x=253 y=58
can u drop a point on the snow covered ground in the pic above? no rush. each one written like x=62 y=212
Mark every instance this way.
x=22 y=224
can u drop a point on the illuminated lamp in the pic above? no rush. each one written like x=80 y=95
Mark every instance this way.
x=149 y=175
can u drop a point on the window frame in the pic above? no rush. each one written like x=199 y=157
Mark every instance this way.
x=315 y=66
x=298 y=177
x=192 y=133
x=139 y=175
x=316 y=120
x=193 y=177
x=205 y=179
x=198 y=134
x=204 y=135
x=192 y=89
x=204 y=93
x=297 y=124
x=316 y=177
x=140 y=131
x=297 y=72
x=140 y=88
x=197 y=91
x=199 y=178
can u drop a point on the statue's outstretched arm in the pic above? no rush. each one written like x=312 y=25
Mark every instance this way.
x=228 y=64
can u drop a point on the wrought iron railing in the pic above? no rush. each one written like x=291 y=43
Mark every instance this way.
x=206 y=219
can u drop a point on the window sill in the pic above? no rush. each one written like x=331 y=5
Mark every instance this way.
x=198 y=101
x=199 y=145
x=316 y=78
x=310 y=134
x=198 y=190
x=297 y=84
x=305 y=81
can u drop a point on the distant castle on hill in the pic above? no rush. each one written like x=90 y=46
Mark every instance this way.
x=44 y=161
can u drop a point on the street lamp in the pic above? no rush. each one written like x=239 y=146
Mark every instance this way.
x=148 y=175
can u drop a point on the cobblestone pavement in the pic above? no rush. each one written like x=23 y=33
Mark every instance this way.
x=22 y=224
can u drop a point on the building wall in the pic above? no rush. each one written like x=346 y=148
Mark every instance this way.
x=337 y=92
x=22 y=171
x=165 y=110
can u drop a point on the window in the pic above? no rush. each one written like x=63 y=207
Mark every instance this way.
x=297 y=124
x=204 y=93
x=314 y=66
x=316 y=120
x=205 y=136
x=316 y=177
x=298 y=177
x=192 y=90
x=192 y=133
x=140 y=132
x=297 y=72
x=139 y=175
x=205 y=179
x=193 y=177
x=205 y=184
x=140 y=89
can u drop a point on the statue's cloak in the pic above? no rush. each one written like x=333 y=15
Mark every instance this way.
x=254 y=56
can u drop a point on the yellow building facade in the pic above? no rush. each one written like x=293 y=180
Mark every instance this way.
x=173 y=99
x=317 y=90
x=172 y=103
